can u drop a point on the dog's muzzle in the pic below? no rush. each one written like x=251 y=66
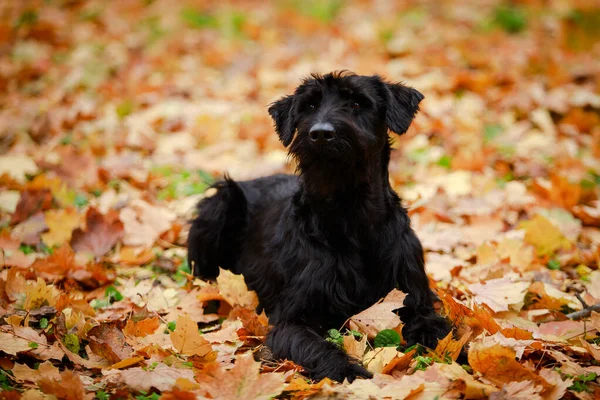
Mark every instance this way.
x=322 y=133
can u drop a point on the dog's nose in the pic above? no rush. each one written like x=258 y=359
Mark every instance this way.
x=322 y=133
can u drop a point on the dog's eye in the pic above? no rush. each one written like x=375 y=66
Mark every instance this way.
x=356 y=105
x=312 y=106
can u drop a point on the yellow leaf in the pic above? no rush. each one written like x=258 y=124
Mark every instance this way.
x=234 y=290
x=128 y=362
x=186 y=338
x=544 y=236
x=61 y=224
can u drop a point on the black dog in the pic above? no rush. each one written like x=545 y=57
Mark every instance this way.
x=324 y=245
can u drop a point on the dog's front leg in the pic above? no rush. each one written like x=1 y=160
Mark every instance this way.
x=310 y=350
x=422 y=324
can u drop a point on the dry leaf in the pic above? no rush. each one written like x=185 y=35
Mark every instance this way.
x=234 y=290
x=498 y=364
x=379 y=316
x=544 y=236
x=61 y=224
x=101 y=233
x=68 y=387
x=186 y=338
x=499 y=294
x=243 y=381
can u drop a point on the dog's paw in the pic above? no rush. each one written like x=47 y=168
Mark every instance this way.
x=426 y=330
x=340 y=371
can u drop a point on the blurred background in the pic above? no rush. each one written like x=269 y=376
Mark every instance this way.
x=121 y=92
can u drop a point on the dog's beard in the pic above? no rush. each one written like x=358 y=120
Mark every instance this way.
x=326 y=172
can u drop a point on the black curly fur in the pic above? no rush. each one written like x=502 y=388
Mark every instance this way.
x=323 y=245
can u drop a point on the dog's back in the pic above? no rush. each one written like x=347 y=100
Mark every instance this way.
x=224 y=219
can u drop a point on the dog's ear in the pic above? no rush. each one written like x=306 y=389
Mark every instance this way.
x=282 y=113
x=402 y=106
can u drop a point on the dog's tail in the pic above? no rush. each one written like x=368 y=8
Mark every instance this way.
x=217 y=231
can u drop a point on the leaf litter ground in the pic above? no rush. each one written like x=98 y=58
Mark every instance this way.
x=117 y=116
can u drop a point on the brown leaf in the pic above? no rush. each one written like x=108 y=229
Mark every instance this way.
x=57 y=265
x=108 y=341
x=101 y=233
x=186 y=338
x=23 y=373
x=31 y=202
x=11 y=344
x=379 y=316
x=243 y=381
x=68 y=387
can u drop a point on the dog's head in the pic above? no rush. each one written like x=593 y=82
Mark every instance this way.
x=342 y=119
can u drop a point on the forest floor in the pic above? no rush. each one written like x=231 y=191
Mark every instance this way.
x=116 y=116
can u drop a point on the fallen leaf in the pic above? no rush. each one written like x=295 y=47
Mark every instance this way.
x=544 y=236
x=68 y=387
x=186 y=338
x=141 y=328
x=234 y=290
x=524 y=390
x=61 y=224
x=30 y=203
x=144 y=223
x=499 y=294
x=243 y=381
x=17 y=166
x=162 y=377
x=448 y=347
x=100 y=234
x=379 y=316
x=355 y=348
x=498 y=364
x=23 y=373
x=11 y=344
x=107 y=341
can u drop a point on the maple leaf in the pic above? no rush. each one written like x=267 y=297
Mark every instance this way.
x=379 y=316
x=57 y=265
x=544 y=236
x=500 y=293
x=68 y=387
x=23 y=373
x=498 y=365
x=144 y=223
x=186 y=338
x=161 y=377
x=31 y=202
x=448 y=347
x=101 y=233
x=234 y=290
x=61 y=224
x=243 y=381
x=17 y=166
